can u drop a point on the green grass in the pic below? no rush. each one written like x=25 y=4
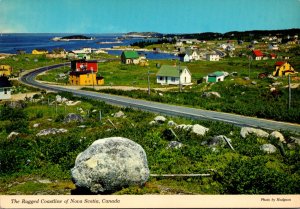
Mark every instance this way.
x=28 y=61
x=51 y=157
x=52 y=75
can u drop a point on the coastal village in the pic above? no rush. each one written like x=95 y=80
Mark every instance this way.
x=84 y=64
x=138 y=105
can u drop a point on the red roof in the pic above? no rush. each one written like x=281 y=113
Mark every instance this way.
x=257 y=53
x=279 y=63
x=273 y=55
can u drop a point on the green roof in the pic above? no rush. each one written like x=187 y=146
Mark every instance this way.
x=217 y=73
x=130 y=54
x=170 y=70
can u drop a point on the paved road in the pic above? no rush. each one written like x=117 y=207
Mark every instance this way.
x=163 y=108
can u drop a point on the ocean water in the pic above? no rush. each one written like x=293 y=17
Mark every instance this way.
x=10 y=43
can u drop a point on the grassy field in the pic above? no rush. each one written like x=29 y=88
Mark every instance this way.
x=28 y=61
x=52 y=75
x=27 y=161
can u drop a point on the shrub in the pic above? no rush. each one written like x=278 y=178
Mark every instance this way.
x=252 y=176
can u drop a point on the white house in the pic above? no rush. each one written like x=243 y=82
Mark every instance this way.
x=212 y=57
x=84 y=50
x=169 y=74
x=5 y=88
x=184 y=57
x=273 y=47
x=192 y=54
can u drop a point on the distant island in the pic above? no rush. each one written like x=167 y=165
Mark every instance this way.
x=142 y=35
x=73 y=38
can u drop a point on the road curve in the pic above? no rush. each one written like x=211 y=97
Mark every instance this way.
x=167 y=109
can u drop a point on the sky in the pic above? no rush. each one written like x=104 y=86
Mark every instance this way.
x=164 y=16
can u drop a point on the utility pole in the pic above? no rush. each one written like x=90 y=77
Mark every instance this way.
x=179 y=71
x=249 y=65
x=148 y=82
x=93 y=77
x=290 y=92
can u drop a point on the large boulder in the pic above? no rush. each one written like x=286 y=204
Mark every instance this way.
x=199 y=130
x=245 y=131
x=110 y=164
x=72 y=117
x=268 y=148
x=48 y=131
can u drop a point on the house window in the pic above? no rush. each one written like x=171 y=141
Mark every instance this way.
x=5 y=91
x=173 y=79
x=161 y=78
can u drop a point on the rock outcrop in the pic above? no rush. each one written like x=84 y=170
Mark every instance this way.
x=48 y=131
x=110 y=164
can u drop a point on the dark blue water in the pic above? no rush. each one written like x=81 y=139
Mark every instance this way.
x=10 y=43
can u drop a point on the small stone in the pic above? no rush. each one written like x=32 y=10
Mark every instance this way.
x=160 y=119
x=245 y=131
x=211 y=94
x=152 y=122
x=44 y=181
x=36 y=125
x=72 y=117
x=277 y=135
x=119 y=114
x=171 y=123
x=174 y=145
x=268 y=148
x=199 y=130
x=12 y=134
x=254 y=82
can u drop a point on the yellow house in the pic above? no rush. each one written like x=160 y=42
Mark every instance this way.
x=85 y=78
x=283 y=68
x=39 y=51
x=5 y=70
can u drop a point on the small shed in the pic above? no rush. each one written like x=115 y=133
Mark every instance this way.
x=5 y=88
x=215 y=77
x=130 y=57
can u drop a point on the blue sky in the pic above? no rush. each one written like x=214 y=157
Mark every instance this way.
x=165 y=16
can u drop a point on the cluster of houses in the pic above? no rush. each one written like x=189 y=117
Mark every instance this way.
x=189 y=55
x=84 y=73
x=259 y=55
x=83 y=53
